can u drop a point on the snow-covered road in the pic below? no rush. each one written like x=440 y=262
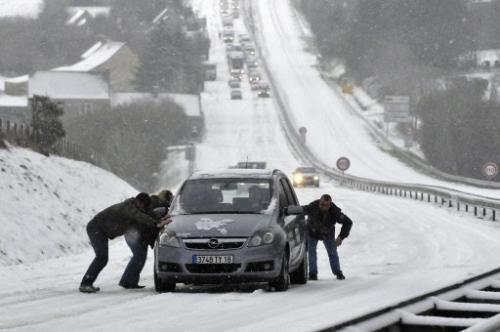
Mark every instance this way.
x=398 y=249
x=334 y=129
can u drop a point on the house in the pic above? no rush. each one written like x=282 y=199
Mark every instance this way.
x=112 y=59
x=78 y=92
x=16 y=86
x=14 y=109
x=191 y=105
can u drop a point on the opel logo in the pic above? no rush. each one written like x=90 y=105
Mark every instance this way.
x=213 y=243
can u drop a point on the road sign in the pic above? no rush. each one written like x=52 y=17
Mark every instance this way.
x=343 y=164
x=490 y=170
x=302 y=130
x=397 y=109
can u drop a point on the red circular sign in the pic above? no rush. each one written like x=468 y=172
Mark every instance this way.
x=490 y=170
x=343 y=164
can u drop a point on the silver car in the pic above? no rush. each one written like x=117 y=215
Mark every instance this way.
x=233 y=226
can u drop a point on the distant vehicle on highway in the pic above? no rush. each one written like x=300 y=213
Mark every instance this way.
x=249 y=49
x=236 y=61
x=233 y=226
x=234 y=83
x=254 y=76
x=236 y=74
x=227 y=21
x=305 y=176
x=228 y=35
x=254 y=86
x=250 y=165
x=244 y=38
x=236 y=94
x=252 y=62
x=210 y=71
x=264 y=90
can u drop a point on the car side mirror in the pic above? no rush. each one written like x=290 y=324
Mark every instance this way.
x=294 y=210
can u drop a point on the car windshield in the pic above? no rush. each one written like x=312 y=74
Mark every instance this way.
x=213 y=196
x=306 y=170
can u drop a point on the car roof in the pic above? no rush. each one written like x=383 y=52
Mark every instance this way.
x=233 y=173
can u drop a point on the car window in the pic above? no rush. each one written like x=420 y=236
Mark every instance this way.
x=285 y=195
x=239 y=195
x=292 y=197
x=288 y=193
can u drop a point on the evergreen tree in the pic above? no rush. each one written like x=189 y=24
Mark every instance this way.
x=46 y=123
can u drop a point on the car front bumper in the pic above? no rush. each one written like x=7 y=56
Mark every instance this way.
x=250 y=264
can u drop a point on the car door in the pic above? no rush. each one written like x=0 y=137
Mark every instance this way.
x=291 y=223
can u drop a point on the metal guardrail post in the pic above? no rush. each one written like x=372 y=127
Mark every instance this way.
x=493 y=214
x=475 y=211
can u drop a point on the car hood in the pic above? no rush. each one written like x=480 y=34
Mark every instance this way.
x=218 y=225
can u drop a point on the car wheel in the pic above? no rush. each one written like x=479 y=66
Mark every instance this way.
x=317 y=184
x=282 y=283
x=300 y=275
x=163 y=285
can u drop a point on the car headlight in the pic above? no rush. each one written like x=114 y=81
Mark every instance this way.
x=169 y=240
x=298 y=178
x=261 y=239
x=316 y=178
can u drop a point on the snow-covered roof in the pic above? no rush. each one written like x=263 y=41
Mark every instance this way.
x=13 y=101
x=95 y=56
x=18 y=79
x=190 y=103
x=24 y=8
x=94 y=11
x=68 y=85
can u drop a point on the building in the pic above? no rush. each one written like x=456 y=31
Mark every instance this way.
x=111 y=59
x=191 y=105
x=78 y=92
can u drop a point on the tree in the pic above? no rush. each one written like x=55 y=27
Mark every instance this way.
x=46 y=123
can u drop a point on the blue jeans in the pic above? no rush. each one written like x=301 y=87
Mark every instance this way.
x=134 y=267
x=331 y=249
x=99 y=242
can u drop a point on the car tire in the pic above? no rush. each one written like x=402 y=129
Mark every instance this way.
x=300 y=276
x=164 y=285
x=317 y=184
x=282 y=283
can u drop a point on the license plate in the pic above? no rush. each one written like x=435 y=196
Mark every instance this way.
x=202 y=259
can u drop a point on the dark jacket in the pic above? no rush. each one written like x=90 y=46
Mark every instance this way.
x=322 y=226
x=117 y=219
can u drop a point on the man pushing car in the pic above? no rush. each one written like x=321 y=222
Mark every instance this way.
x=323 y=214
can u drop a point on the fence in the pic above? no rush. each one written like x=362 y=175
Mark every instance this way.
x=479 y=206
x=22 y=135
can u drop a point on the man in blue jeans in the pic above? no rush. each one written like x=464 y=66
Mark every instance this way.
x=322 y=217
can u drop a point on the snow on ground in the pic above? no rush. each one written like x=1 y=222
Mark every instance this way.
x=46 y=202
x=334 y=130
x=397 y=249
x=25 y=8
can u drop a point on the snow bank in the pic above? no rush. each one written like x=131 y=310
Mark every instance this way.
x=45 y=203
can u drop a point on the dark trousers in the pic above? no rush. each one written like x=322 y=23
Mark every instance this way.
x=333 y=256
x=134 y=267
x=99 y=242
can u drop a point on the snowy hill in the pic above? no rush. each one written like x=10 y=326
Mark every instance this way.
x=45 y=203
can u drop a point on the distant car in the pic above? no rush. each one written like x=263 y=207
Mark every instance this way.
x=252 y=62
x=249 y=49
x=254 y=86
x=244 y=38
x=305 y=176
x=254 y=76
x=250 y=165
x=234 y=83
x=264 y=90
x=236 y=74
x=236 y=94
x=233 y=226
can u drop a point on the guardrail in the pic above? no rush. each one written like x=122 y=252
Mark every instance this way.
x=480 y=206
x=22 y=135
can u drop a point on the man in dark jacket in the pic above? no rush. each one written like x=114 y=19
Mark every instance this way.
x=119 y=219
x=322 y=217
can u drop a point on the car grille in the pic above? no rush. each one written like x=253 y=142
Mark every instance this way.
x=214 y=243
x=212 y=268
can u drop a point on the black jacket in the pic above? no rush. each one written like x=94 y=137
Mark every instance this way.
x=321 y=226
x=117 y=219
